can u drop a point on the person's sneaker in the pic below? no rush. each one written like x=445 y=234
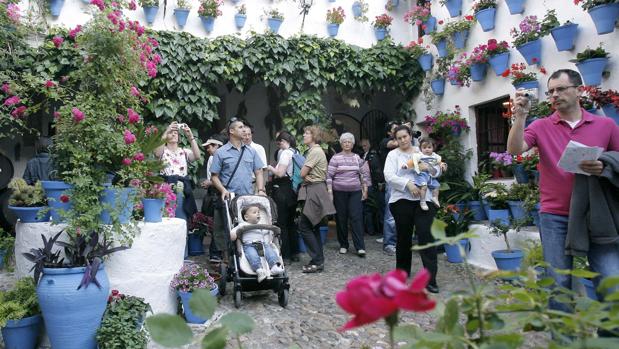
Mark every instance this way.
x=432 y=288
x=361 y=253
x=380 y=240
x=262 y=274
x=276 y=270
x=423 y=205
x=343 y=250
x=390 y=250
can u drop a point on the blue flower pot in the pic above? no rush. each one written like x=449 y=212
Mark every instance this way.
x=208 y=23
x=565 y=36
x=438 y=86
x=527 y=85
x=508 y=261
x=425 y=60
x=53 y=191
x=380 y=33
x=477 y=209
x=30 y=214
x=194 y=243
x=153 y=210
x=516 y=209
x=453 y=252
x=117 y=201
x=240 y=20
x=486 y=206
x=357 y=10
x=332 y=29
x=395 y=3
x=454 y=82
x=189 y=315
x=501 y=215
x=22 y=334
x=534 y=176
x=55 y=7
x=274 y=24
x=604 y=17
x=515 y=6
x=441 y=46
x=521 y=174
x=499 y=62
x=485 y=18
x=150 y=12
x=459 y=38
x=534 y=214
x=478 y=71
x=181 y=15
x=591 y=70
x=589 y=288
x=430 y=25
x=454 y=7
x=611 y=112
x=72 y=316
x=531 y=51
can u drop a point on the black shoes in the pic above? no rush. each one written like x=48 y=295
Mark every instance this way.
x=432 y=288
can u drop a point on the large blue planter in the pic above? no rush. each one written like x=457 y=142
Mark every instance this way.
x=153 y=210
x=332 y=29
x=208 y=23
x=565 y=36
x=53 y=191
x=516 y=209
x=181 y=15
x=239 y=20
x=117 y=201
x=194 y=243
x=21 y=334
x=453 y=251
x=357 y=10
x=380 y=33
x=430 y=25
x=189 y=315
x=478 y=71
x=591 y=70
x=485 y=18
x=604 y=17
x=150 y=12
x=531 y=51
x=534 y=214
x=454 y=7
x=508 y=261
x=425 y=60
x=55 y=7
x=499 y=62
x=501 y=215
x=459 y=38
x=438 y=86
x=441 y=46
x=611 y=112
x=477 y=209
x=589 y=288
x=29 y=214
x=527 y=85
x=515 y=6
x=274 y=24
x=72 y=316
x=521 y=174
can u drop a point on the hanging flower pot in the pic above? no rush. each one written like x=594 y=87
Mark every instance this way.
x=425 y=60
x=531 y=51
x=190 y=317
x=499 y=62
x=611 y=111
x=527 y=85
x=515 y=6
x=604 y=17
x=153 y=210
x=459 y=38
x=274 y=24
x=150 y=12
x=22 y=333
x=208 y=22
x=591 y=70
x=438 y=86
x=478 y=71
x=119 y=200
x=565 y=36
x=430 y=25
x=181 y=15
x=508 y=260
x=332 y=29
x=454 y=7
x=55 y=7
x=58 y=198
x=441 y=46
x=380 y=33
x=485 y=18
x=30 y=214
x=239 y=20
x=357 y=9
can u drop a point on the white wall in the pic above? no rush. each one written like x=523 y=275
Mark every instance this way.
x=493 y=87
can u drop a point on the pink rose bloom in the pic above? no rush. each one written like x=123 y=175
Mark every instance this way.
x=78 y=116
x=156 y=58
x=73 y=32
x=126 y=161
x=135 y=91
x=18 y=112
x=138 y=157
x=6 y=88
x=132 y=5
x=57 y=40
x=11 y=101
x=98 y=3
x=129 y=137
x=12 y=11
x=49 y=84
x=133 y=116
x=121 y=26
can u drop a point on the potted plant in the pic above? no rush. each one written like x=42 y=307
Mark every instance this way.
x=453 y=6
x=498 y=55
x=241 y=16
x=478 y=61
x=515 y=6
x=523 y=76
x=359 y=9
x=527 y=39
x=418 y=51
x=604 y=13
x=472 y=195
x=508 y=259
x=7 y=246
x=55 y=7
x=151 y=7
x=459 y=74
x=534 y=256
x=274 y=19
x=496 y=198
x=501 y=164
x=208 y=11
x=381 y=26
x=608 y=100
x=591 y=64
x=28 y=201
x=121 y=327
x=524 y=166
x=515 y=199
x=445 y=125
x=335 y=17
x=459 y=30
x=181 y=12
x=420 y=15
x=390 y=5
x=531 y=204
x=20 y=317
x=439 y=39
x=190 y=278
x=155 y=196
x=587 y=104
x=563 y=35
x=485 y=11
x=439 y=73
x=197 y=231
x=457 y=220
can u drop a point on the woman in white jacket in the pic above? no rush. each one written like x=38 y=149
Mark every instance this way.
x=405 y=206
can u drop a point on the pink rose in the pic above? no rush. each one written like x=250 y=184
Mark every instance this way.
x=78 y=116
x=57 y=40
x=126 y=161
x=132 y=5
x=18 y=112
x=138 y=157
x=98 y=3
x=133 y=116
x=11 y=101
x=135 y=92
x=6 y=88
x=73 y=32
x=49 y=84
x=129 y=137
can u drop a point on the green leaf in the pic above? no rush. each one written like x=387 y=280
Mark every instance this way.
x=238 y=323
x=608 y=282
x=438 y=229
x=215 y=339
x=202 y=303
x=451 y=315
x=169 y=330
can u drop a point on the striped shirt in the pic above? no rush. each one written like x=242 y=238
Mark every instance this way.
x=344 y=171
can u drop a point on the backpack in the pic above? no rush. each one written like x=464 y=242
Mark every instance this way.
x=297 y=164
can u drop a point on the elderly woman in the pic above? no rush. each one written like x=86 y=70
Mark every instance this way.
x=312 y=193
x=405 y=206
x=176 y=160
x=347 y=182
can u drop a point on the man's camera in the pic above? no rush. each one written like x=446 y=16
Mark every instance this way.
x=416 y=134
x=531 y=94
x=181 y=126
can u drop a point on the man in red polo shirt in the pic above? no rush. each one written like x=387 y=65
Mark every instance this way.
x=551 y=135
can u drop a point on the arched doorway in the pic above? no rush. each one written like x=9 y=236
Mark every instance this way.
x=373 y=126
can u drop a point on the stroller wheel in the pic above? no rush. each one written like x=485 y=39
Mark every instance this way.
x=224 y=276
x=282 y=297
x=237 y=298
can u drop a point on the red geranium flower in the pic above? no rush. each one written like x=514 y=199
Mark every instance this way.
x=64 y=198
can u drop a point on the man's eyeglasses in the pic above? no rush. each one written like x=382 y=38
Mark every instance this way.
x=558 y=90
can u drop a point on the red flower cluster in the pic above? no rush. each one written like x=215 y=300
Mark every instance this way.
x=520 y=74
x=602 y=98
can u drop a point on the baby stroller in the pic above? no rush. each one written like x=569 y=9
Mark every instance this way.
x=238 y=269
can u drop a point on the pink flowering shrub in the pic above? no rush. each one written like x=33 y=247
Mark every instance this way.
x=460 y=71
x=154 y=190
x=479 y=54
x=192 y=277
x=418 y=14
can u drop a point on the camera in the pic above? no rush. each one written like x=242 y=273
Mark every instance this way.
x=531 y=94
x=181 y=126
x=416 y=134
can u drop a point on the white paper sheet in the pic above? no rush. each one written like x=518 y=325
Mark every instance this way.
x=576 y=152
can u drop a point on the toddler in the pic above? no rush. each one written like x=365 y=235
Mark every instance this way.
x=256 y=244
x=422 y=179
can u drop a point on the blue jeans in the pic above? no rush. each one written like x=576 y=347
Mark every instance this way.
x=254 y=259
x=389 y=234
x=603 y=259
